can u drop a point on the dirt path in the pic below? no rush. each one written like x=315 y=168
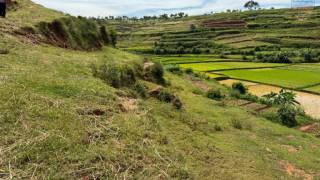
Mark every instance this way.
x=310 y=102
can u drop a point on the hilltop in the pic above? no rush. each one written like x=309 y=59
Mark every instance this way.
x=75 y=114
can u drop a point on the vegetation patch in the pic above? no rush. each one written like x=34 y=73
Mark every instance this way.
x=77 y=33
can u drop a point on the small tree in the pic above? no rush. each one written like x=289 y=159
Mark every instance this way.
x=193 y=28
x=251 y=5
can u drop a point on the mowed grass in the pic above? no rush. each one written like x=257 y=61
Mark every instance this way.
x=227 y=65
x=281 y=77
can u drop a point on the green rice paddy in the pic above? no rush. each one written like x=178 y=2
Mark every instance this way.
x=280 y=77
x=206 y=67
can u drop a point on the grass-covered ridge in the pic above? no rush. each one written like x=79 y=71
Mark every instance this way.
x=77 y=33
x=60 y=121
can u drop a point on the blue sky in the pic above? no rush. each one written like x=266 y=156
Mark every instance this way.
x=150 y=7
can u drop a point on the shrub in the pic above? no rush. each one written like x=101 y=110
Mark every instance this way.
x=76 y=33
x=157 y=73
x=193 y=28
x=189 y=71
x=115 y=75
x=215 y=94
x=165 y=96
x=113 y=36
x=177 y=103
x=238 y=86
x=283 y=98
x=174 y=69
x=141 y=90
x=236 y=124
x=287 y=115
x=105 y=35
x=218 y=127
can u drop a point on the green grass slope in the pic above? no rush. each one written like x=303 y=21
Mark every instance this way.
x=49 y=130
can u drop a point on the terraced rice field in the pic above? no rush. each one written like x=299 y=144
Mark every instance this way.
x=218 y=66
x=298 y=76
x=189 y=59
x=281 y=77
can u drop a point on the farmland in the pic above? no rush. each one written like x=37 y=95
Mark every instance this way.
x=219 y=66
x=238 y=45
x=299 y=76
x=116 y=113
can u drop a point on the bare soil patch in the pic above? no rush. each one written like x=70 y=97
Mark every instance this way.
x=291 y=170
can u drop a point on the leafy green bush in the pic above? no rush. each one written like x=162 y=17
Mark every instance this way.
x=287 y=115
x=279 y=57
x=165 y=96
x=189 y=71
x=76 y=33
x=175 y=69
x=215 y=94
x=284 y=97
x=157 y=73
x=238 y=86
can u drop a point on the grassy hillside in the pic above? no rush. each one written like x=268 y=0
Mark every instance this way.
x=58 y=121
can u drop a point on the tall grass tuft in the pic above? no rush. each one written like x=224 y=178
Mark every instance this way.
x=76 y=33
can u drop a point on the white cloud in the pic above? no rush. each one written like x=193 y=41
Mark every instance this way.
x=149 y=7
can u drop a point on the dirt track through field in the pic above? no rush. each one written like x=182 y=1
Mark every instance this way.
x=310 y=102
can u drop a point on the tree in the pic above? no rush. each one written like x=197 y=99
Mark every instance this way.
x=251 y=5
x=193 y=28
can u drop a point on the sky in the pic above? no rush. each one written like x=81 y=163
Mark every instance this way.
x=140 y=8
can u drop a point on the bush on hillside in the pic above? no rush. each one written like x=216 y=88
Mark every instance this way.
x=141 y=90
x=215 y=94
x=168 y=97
x=175 y=69
x=157 y=73
x=287 y=115
x=239 y=87
x=189 y=71
x=76 y=33
x=115 y=75
x=279 y=57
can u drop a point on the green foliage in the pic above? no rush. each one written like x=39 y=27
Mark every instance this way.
x=157 y=73
x=193 y=28
x=251 y=5
x=115 y=75
x=76 y=33
x=287 y=115
x=175 y=69
x=237 y=124
x=140 y=89
x=189 y=71
x=165 y=96
x=215 y=94
x=218 y=127
x=283 y=98
x=114 y=37
x=278 y=57
x=239 y=87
